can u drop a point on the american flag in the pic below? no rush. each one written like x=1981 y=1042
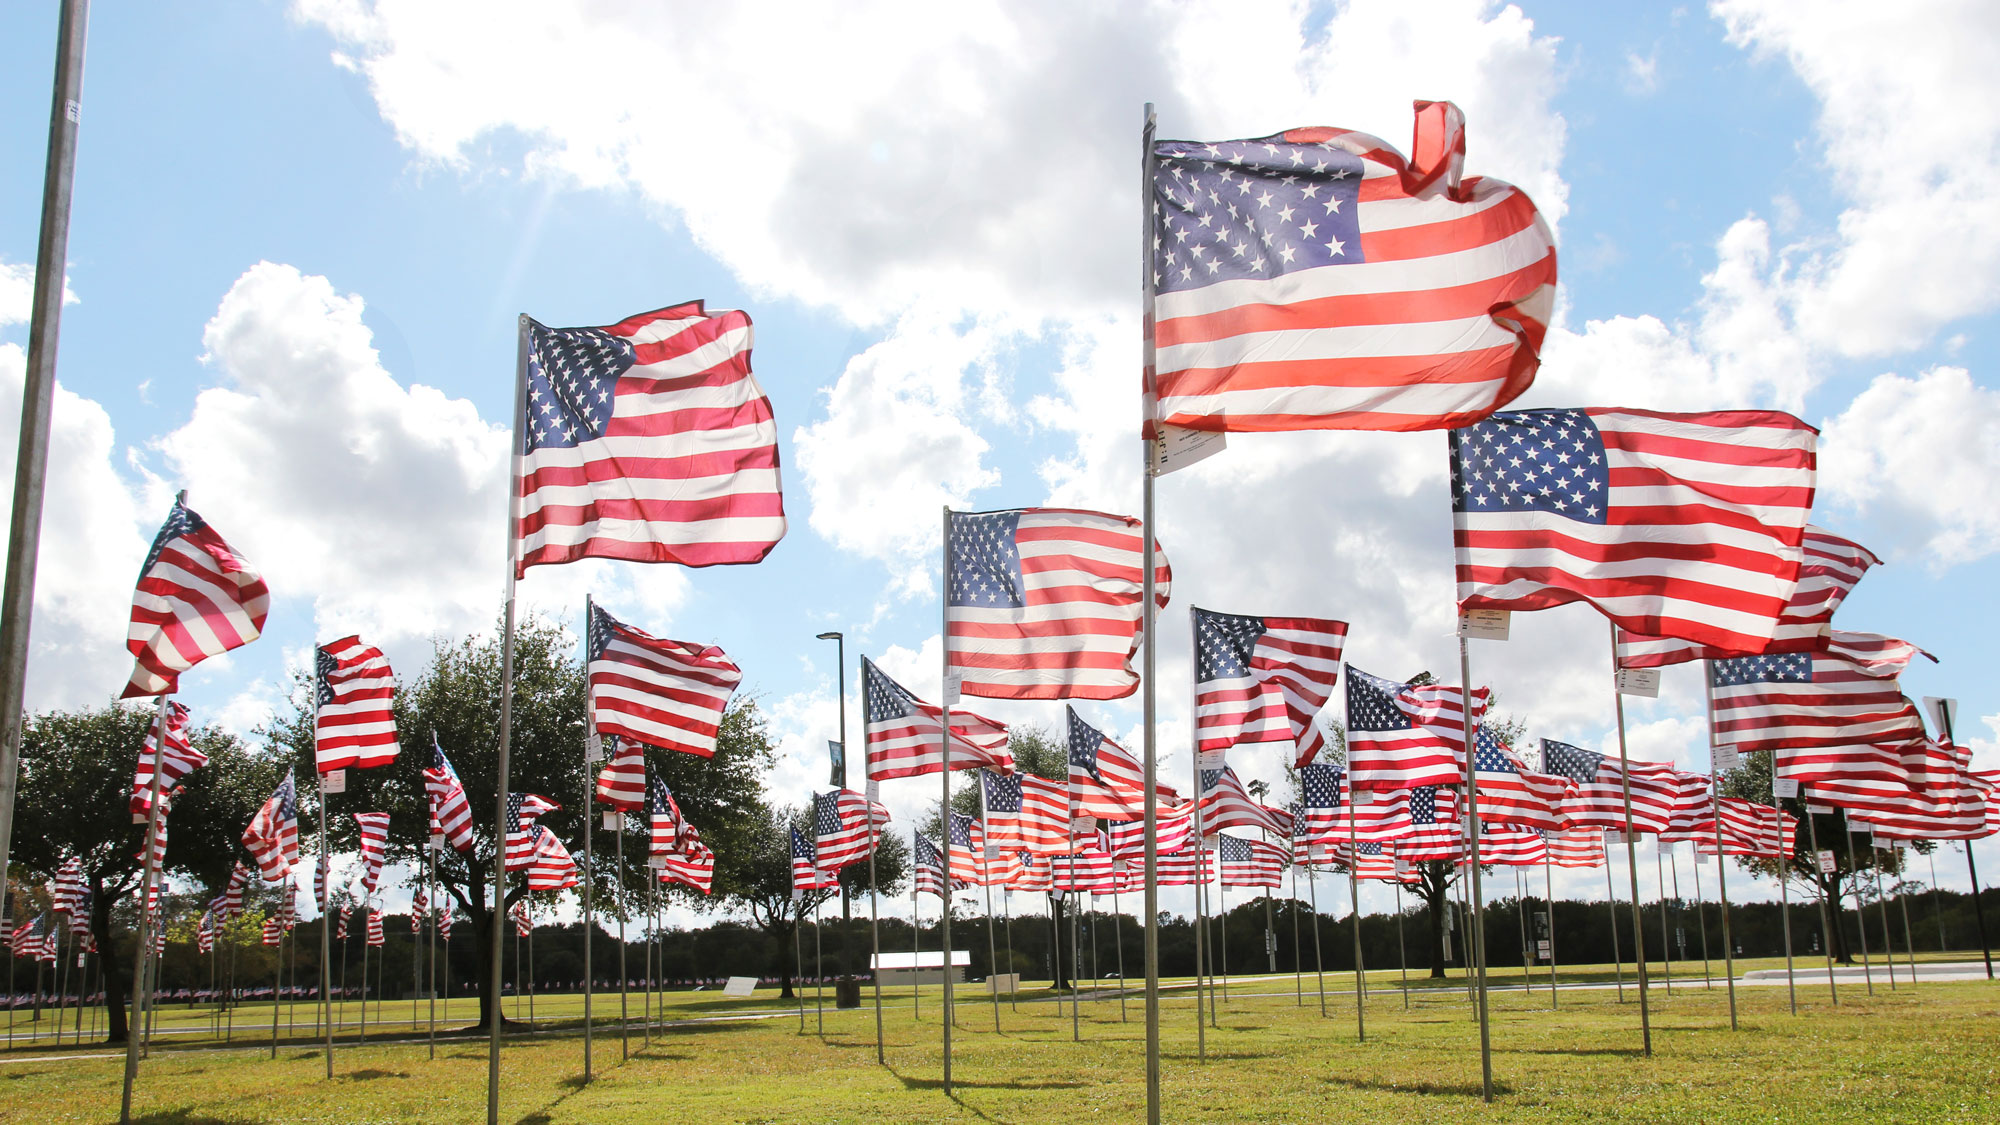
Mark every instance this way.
x=1043 y=603
x=1373 y=861
x=355 y=721
x=451 y=813
x=1316 y=279
x=232 y=895
x=26 y=939
x=155 y=857
x=375 y=935
x=1263 y=679
x=1084 y=871
x=1830 y=569
x=1104 y=779
x=321 y=871
x=1186 y=866
x=1511 y=794
x=669 y=694
x=1251 y=863
x=273 y=835
x=445 y=919
x=204 y=935
x=274 y=930
x=1692 y=815
x=670 y=830
x=1511 y=847
x=1226 y=804
x=1846 y=694
x=1436 y=833
x=903 y=732
x=522 y=811
x=1026 y=811
x=66 y=890
x=1948 y=800
x=550 y=867
x=930 y=868
x=805 y=866
x=621 y=784
x=196 y=599
x=1400 y=736
x=694 y=866
x=1598 y=801
x=1579 y=847
x=523 y=924
x=1027 y=871
x=1672 y=525
x=79 y=922
x=969 y=858
x=374 y=829
x=180 y=760
x=419 y=906
x=647 y=440
x=1128 y=839
x=1328 y=807
x=1750 y=829
x=845 y=829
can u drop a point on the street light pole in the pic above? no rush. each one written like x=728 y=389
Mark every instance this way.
x=841 y=988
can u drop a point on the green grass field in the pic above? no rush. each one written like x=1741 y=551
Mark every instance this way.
x=1929 y=1052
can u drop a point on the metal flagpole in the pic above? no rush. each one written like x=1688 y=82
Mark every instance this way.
x=1219 y=950
x=1617 y=958
x=1298 y=961
x=819 y=963
x=652 y=928
x=146 y=875
x=1007 y=924
x=917 y=952
x=1947 y=713
x=278 y=988
x=624 y=975
x=1721 y=866
x=1549 y=896
x=1148 y=668
x=1825 y=923
x=985 y=867
x=1354 y=907
x=498 y=916
x=1903 y=906
x=593 y=748
x=37 y=410
x=430 y=938
x=362 y=1036
x=1402 y=955
x=1075 y=959
x=1701 y=925
x=531 y=974
x=1666 y=942
x=874 y=910
x=343 y=968
x=1937 y=909
x=1095 y=975
x=798 y=952
x=325 y=889
x=1860 y=909
x=947 y=697
x=1118 y=928
x=1632 y=856
x=1477 y=937
x=1882 y=904
x=1521 y=918
x=1785 y=896
x=1204 y=959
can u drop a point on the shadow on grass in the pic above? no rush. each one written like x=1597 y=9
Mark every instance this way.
x=372 y=1075
x=181 y=1117
x=1219 y=1055
x=1447 y=1089
x=1625 y=1052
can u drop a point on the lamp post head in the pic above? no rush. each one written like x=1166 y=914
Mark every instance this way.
x=829 y=636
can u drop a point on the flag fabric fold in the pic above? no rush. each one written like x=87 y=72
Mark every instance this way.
x=903 y=732
x=656 y=692
x=178 y=760
x=621 y=784
x=1263 y=679
x=1401 y=736
x=451 y=813
x=1845 y=694
x=354 y=720
x=196 y=598
x=273 y=835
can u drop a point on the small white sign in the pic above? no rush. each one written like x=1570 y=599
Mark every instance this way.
x=1944 y=713
x=593 y=749
x=1403 y=866
x=1819 y=810
x=657 y=862
x=954 y=685
x=139 y=818
x=436 y=842
x=1484 y=624
x=333 y=781
x=1827 y=865
x=1180 y=447
x=1864 y=834
x=1666 y=847
x=1003 y=983
x=614 y=821
x=1642 y=682
x=1542 y=947
x=1211 y=759
x=1785 y=787
x=740 y=987
x=1725 y=758
x=1613 y=837
x=874 y=791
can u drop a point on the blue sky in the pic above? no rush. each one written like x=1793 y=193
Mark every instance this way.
x=302 y=231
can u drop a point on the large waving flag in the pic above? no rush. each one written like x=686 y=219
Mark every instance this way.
x=1025 y=811
x=669 y=694
x=196 y=598
x=451 y=813
x=523 y=809
x=647 y=440
x=550 y=867
x=1575 y=847
x=1328 y=811
x=1512 y=794
x=1598 y=801
x=179 y=759
x=1672 y=525
x=929 y=867
x=1318 y=280
x=846 y=828
x=806 y=875
x=374 y=832
x=1263 y=679
x=1044 y=603
x=1830 y=568
x=1400 y=736
x=903 y=732
x=273 y=835
x=1846 y=694
x=354 y=720
x=1948 y=800
x=1105 y=780
x=1225 y=803
x=621 y=784
x=1436 y=832
x=1251 y=863
x=1750 y=829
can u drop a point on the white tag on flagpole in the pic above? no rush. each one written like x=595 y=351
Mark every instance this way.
x=1827 y=864
x=1642 y=682
x=614 y=821
x=954 y=685
x=1180 y=447
x=1725 y=758
x=1484 y=624
x=657 y=862
x=1666 y=847
x=333 y=781
x=593 y=749
x=1211 y=759
x=1785 y=787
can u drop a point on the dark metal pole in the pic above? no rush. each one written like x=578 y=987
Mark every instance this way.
x=499 y=914
x=17 y=603
x=1147 y=695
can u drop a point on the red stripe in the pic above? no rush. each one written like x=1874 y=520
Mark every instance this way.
x=748 y=505
x=1512 y=215
x=686 y=467
x=1456 y=302
x=699 y=419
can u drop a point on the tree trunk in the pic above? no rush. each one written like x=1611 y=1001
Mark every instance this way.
x=1437 y=900
x=116 y=986
x=1058 y=912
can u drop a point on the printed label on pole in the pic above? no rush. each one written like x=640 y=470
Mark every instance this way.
x=1666 y=847
x=1613 y=837
x=1785 y=787
x=1827 y=866
x=139 y=818
x=1725 y=758
x=436 y=842
x=1643 y=682
x=874 y=791
x=1944 y=713
x=954 y=683
x=1403 y=866
x=1211 y=759
x=1180 y=447
x=1542 y=947
x=1484 y=624
x=593 y=748
x=614 y=821
x=657 y=862
x=1819 y=810
x=333 y=781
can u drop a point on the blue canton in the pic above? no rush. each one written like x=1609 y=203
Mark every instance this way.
x=802 y=848
x=1769 y=668
x=886 y=698
x=1371 y=703
x=826 y=813
x=601 y=626
x=1532 y=461
x=180 y=521
x=1251 y=209
x=1211 y=778
x=1003 y=792
x=324 y=666
x=572 y=384
x=1235 y=850
x=929 y=856
x=288 y=799
x=985 y=563
x=1573 y=762
x=1423 y=805
x=1489 y=756
x=1223 y=643
x=960 y=832
x=657 y=797
x=1084 y=741
x=1321 y=782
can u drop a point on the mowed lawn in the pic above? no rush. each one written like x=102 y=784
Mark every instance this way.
x=1927 y=1053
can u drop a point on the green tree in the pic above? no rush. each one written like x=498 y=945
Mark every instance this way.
x=75 y=786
